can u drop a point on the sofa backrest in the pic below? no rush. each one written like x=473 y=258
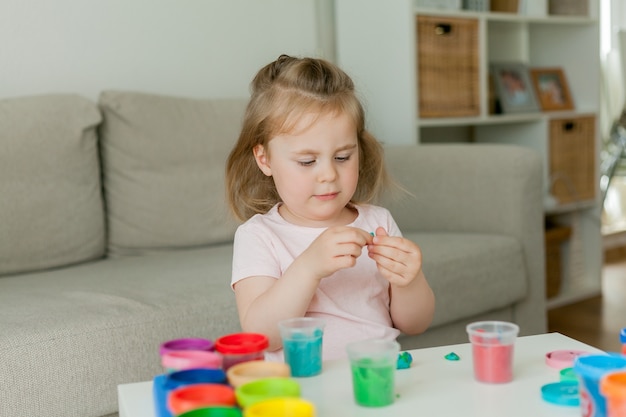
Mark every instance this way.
x=132 y=174
x=51 y=210
x=163 y=170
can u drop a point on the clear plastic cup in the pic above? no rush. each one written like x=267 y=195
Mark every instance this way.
x=302 y=345
x=492 y=350
x=373 y=364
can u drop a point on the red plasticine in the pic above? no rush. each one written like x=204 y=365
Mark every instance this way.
x=493 y=363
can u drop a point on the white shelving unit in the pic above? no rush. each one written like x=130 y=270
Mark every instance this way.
x=376 y=43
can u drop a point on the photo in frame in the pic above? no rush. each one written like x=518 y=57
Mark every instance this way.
x=551 y=87
x=514 y=89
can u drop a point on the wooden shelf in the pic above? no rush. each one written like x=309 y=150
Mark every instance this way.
x=384 y=62
x=509 y=17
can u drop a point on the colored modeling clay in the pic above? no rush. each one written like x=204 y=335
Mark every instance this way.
x=493 y=363
x=372 y=233
x=452 y=356
x=404 y=360
x=373 y=381
x=303 y=353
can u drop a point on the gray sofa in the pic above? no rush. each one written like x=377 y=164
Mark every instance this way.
x=114 y=237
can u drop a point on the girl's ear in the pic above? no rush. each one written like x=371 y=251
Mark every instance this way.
x=260 y=156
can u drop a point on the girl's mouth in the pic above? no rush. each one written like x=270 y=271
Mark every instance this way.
x=325 y=197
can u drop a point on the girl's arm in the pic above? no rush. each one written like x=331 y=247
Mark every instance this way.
x=263 y=301
x=412 y=300
x=412 y=307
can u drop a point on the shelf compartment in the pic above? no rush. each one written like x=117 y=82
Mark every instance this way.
x=572 y=159
x=447 y=67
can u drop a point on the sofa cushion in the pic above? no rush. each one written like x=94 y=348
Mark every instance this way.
x=51 y=205
x=487 y=269
x=74 y=334
x=163 y=161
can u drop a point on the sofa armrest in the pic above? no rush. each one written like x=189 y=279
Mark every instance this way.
x=476 y=188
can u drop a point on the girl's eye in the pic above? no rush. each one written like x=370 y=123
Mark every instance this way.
x=306 y=163
x=342 y=158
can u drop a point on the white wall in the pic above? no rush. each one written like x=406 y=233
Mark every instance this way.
x=195 y=48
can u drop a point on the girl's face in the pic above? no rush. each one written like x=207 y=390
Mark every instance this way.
x=315 y=170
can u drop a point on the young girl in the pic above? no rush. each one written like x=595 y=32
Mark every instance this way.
x=302 y=174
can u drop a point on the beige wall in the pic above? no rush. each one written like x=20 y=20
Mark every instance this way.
x=188 y=47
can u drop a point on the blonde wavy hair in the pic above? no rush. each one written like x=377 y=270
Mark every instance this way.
x=282 y=92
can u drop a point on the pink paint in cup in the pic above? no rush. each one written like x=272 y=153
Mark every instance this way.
x=190 y=359
x=492 y=350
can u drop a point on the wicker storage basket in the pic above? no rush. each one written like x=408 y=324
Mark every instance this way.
x=447 y=51
x=554 y=238
x=572 y=161
x=569 y=7
x=506 y=6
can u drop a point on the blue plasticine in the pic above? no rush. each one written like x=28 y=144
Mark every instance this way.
x=404 y=360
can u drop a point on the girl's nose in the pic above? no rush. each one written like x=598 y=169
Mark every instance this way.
x=327 y=172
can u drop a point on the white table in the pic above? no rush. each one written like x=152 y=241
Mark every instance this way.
x=433 y=386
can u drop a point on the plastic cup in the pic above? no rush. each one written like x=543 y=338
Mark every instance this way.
x=190 y=359
x=164 y=384
x=590 y=370
x=195 y=396
x=302 y=345
x=265 y=389
x=281 y=407
x=373 y=364
x=213 y=412
x=241 y=347
x=189 y=343
x=194 y=376
x=492 y=350
x=245 y=372
x=613 y=388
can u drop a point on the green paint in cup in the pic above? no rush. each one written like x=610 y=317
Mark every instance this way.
x=373 y=364
x=373 y=383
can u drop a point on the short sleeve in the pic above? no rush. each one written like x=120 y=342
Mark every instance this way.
x=253 y=254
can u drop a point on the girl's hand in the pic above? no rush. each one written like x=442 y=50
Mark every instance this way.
x=336 y=248
x=398 y=259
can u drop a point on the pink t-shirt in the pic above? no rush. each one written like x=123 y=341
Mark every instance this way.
x=353 y=301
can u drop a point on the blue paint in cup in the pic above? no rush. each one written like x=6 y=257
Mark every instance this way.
x=302 y=345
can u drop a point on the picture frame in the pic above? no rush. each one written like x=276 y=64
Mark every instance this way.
x=513 y=88
x=552 y=89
